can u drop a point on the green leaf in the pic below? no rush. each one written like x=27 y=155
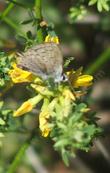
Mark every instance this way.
x=61 y=143
x=5 y=66
x=61 y=125
x=68 y=61
x=65 y=157
x=92 y=2
x=29 y=35
x=106 y=6
x=77 y=13
x=101 y=4
x=2 y=122
x=26 y=21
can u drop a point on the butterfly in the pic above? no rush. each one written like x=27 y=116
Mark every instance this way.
x=44 y=60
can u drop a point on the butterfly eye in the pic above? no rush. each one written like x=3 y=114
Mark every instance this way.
x=65 y=78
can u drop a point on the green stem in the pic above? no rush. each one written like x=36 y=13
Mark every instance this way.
x=19 y=156
x=3 y=17
x=38 y=9
x=7 y=10
x=99 y=62
x=38 y=12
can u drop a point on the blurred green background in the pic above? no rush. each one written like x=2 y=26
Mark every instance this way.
x=88 y=40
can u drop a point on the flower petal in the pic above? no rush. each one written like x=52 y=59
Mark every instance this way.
x=19 y=76
x=43 y=123
x=68 y=94
x=83 y=80
x=53 y=39
x=27 y=106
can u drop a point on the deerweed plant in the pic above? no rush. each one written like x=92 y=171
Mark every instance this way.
x=63 y=116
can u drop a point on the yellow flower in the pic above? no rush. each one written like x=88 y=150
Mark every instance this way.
x=83 y=80
x=78 y=80
x=27 y=106
x=66 y=99
x=68 y=94
x=47 y=110
x=53 y=39
x=42 y=90
x=43 y=123
x=18 y=75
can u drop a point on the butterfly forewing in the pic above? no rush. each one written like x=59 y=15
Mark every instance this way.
x=44 y=60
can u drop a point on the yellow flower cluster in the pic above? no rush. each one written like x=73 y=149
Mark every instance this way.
x=56 y=101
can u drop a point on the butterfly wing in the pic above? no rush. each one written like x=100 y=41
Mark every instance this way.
x=44 y=60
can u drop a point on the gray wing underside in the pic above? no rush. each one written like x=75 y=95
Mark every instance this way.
x=43 y=59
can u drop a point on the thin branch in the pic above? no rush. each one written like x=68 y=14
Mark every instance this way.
x=99 y=62
x=12 y=168
x=7 y=10
x=104 y=151
x=38 y=12
x=7 y=20
x=35 y=161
